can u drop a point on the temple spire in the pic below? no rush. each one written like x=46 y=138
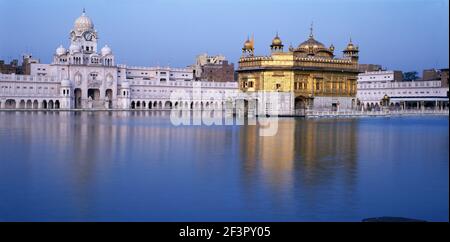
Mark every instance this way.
x=311 y=31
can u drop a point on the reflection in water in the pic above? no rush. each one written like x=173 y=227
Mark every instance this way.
x=138 y=166
x=301 y=161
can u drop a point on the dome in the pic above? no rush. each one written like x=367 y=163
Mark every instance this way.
x=311 y=43
x=60 y=50
x=248 y=45
x=65 y=83
x=331 y=48
x=74 y=48
x=83 y=23
x=106 y=50
x=351 y=46
x=276 y=41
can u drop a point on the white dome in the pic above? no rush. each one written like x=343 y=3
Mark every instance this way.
x=106 y=50
x=65 y=83
x=83 y=23
x=74 y=48
x=60 y=50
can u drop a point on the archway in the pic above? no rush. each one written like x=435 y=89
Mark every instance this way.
x=109 y=97
x=168 y=105
x=50 y=104
x=133 y=105
x=94 y=94
x=29 y=104
x=35 y=104
x=10 y=103
x=22 y=104
x=77 y=95
x=300 y=105
x=44 y=104
x=57 y=104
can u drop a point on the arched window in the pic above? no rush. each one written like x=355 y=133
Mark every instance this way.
x=78 y=78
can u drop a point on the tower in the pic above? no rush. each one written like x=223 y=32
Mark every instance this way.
x=83 y=35
x=66 y=94
x=248 y=50
x=277 y=44
x=351 y=52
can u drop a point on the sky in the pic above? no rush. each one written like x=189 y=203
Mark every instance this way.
x=398 y=34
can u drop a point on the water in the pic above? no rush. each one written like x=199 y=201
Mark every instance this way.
x=136 y=166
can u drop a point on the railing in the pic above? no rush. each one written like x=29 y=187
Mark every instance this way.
x=355 y=113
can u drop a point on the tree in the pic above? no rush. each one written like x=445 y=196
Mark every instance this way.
x=410 y=76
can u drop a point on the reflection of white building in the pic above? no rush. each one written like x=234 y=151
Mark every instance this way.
x=378 y=88
x=83 y=77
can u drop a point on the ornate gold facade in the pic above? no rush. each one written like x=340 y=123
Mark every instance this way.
x=309 y=71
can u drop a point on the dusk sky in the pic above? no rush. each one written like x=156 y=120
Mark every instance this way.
x=399 y=34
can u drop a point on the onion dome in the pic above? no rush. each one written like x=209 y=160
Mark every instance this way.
x=277 y=41
x=311 y=43
x=248 y=45
x=60 y=50
x=83 y=23
x=331 y=48
x=351 y=46
x=106 y=50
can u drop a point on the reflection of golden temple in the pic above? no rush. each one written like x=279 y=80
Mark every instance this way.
x=314 y=150
x=310 y=74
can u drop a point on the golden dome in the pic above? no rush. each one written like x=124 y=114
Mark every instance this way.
x=277 y=41
x=248 y=44
x=351 y=46
x=311 y=43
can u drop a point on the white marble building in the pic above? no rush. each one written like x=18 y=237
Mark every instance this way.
x=81 y=77
x=386 y=88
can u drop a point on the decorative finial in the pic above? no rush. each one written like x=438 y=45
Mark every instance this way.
x=350 y=39
x=311 y=31
x=277 y=34
x=84 y=11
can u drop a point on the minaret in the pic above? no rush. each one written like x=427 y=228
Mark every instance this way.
x=351 y=52
x=277 y=44
x=248 y=49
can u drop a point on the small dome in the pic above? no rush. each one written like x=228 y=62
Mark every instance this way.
x=60 y=50
x=277 y=41
x=106 y=50
x=331 y=47
x=248 y=45
x=351 y=46
x=74 y=48
x=65 y=83
x=83 y=23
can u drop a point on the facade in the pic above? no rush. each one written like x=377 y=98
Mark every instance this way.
x=308 y=77
x=213 y=68
x=387 y=89
x=81 y=77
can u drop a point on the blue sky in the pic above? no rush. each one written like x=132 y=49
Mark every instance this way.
x=399 y=34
